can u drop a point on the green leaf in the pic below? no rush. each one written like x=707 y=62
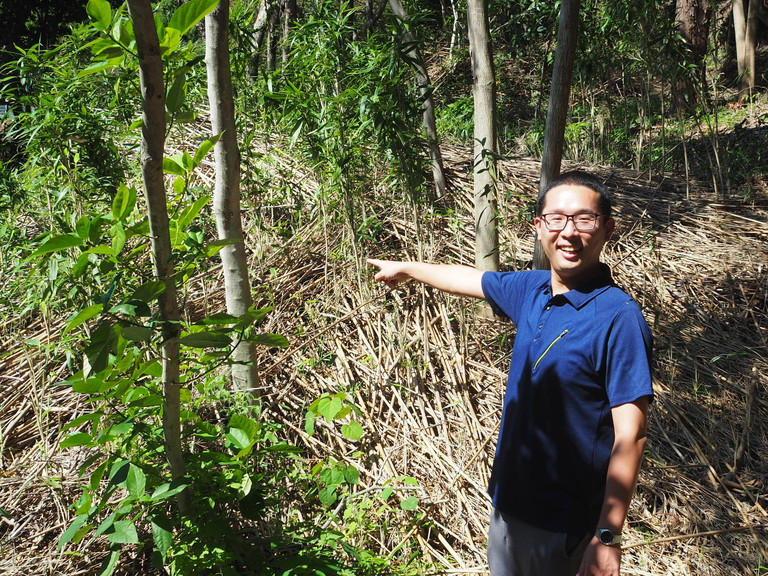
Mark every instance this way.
x=205 y=147
x=149 y=291
x=110 y=563
x=83 y=316
x=170 y=39
x=270 y=340
x=190 y=212
x=137 y=333
x=77 y=439
x=352 y=431
x=173 y=165
x=124 y=202
x=136 y=482
x=206 y=340
x=99 y=13
x=411 y=503
x=103 y=342
x=162 y=538
x=73 y=532
x=167 y=490
x=58 y=243
x=123 y=532
x=176 y=93
x=239 y=438
x=190 y=13
x=119 y=237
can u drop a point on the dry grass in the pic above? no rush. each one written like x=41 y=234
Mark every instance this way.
x=428 y=374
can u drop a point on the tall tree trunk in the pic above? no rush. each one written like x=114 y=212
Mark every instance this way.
x=746 y=19
x=485 y=145
x=425 y=91
x=226 y=196
x=557 y=112
x=152 y=151
x=693 y=19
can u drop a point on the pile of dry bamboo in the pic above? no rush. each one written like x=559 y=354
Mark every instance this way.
x=427 y=374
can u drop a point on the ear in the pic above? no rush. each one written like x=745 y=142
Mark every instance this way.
x=610 y=226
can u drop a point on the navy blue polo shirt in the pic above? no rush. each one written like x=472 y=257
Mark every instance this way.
x=576 y=355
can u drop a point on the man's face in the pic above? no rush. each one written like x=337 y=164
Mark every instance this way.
x=574 y=254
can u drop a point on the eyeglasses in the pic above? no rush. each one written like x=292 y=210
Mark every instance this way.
x=582 y=222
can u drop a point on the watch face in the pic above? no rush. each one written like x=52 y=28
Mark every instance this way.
x=606 y=536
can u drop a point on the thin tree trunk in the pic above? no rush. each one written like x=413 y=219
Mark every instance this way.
x=557 y=112
x=260 y=29
x=152 y=150
x=425 y=91
x=745 y=25
x=226 y=196
x=485 y=145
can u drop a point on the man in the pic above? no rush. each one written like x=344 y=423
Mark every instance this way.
x=573 y=425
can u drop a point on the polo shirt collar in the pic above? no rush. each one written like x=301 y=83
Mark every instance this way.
x=583 y=294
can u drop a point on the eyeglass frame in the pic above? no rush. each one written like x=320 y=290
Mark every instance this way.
x=572 y=218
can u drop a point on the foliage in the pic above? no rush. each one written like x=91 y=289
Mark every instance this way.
x=346 y=103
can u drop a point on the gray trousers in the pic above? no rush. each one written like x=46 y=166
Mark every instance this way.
x=519 y=549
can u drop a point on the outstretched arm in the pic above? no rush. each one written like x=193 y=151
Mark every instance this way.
x=453 y=279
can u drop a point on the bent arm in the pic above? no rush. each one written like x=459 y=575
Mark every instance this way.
x=453 y=279
x=629 y=422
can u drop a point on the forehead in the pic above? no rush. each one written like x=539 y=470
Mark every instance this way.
x=571 y=199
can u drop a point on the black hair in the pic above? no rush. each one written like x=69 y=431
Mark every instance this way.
x=578 y=178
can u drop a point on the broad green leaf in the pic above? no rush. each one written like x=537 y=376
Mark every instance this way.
x=119 y=237
x=167 y=490
x=83 y=227
x=190 y=13
x=109 y=565
x=77 y=439
x=58 y=243
x=137 y=333
x=103 y=342
x=176 y=93
x=239 y=438
x=248 y=425
x=271 y=340
x=173 y=165
x=191 y=212
x=206 y=340
x=124 y=202
x=99 y=13
x=71 y=533
x=351 y=475
x=352 y=431
x=206 y=147
x=123 y=532
x=329 y=407
x=136 y=482
x=83 y=316
x=162 y=538
x=411 y=503
x=149 y=291
x=213 y=248
x=94 y=68
x=170 y=39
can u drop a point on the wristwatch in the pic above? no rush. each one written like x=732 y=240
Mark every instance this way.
x=608 y=537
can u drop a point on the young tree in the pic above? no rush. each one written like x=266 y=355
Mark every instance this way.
x=486 y=146
x=152 y=151
x=226 y=196
x=559 y=96
x=425 y=90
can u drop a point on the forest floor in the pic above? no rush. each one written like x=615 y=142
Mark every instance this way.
x=428 y=372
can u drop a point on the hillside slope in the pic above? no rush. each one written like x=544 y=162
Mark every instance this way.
x=428 y=373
